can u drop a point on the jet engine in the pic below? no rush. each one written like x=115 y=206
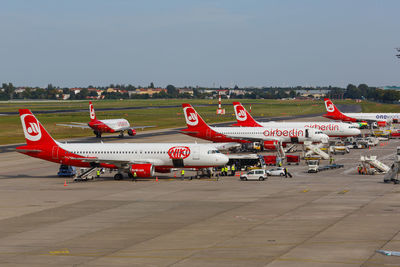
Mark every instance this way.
x=142 y=170
x=132 y=132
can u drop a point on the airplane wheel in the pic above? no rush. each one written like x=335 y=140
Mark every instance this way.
x=118 y=176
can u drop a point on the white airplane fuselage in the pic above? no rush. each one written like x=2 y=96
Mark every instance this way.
x=332 y=129
x=271 y=133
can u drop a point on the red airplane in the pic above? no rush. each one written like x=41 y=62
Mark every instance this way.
x=105 y=126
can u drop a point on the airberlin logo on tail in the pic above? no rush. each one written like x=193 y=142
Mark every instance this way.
x=31 y=127
x=179 y=152
x=329 y=106
x=92 y=116
x=191 y=116
x=240 y=113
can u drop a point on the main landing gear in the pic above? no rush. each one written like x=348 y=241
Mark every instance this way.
x=98 y=134
x=118 y=176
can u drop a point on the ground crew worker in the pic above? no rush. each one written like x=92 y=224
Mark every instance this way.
x=330 y=160
x=233 y=170
x=98 y=173
x=134 y=176
x=285 y=170
x=359 y=169
x=228 y=169
x=182 y=174
x=280 y=163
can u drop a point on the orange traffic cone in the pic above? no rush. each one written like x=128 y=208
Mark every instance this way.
x=65 y=182
x=156 y=178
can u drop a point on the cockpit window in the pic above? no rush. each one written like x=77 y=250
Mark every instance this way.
x=213 y=152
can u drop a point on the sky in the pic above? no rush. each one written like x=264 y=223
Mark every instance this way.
x=208 y=43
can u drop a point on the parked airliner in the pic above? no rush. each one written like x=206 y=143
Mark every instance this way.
x=332 y=129
x=105 y=126
x=197 y=127
x=143 y=158
x=381 y=119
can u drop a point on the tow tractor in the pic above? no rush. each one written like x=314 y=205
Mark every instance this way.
x=313 y=166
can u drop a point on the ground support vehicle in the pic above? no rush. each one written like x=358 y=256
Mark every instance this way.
x=66 y=171
x=276 y=172
x=270 y=160
x=256 y=174
x=313 y=165
x=293 y=159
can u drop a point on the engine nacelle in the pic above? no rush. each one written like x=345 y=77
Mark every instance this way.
x=142 y=170
x=131 y=132
x=381 y=123
x=163 y=169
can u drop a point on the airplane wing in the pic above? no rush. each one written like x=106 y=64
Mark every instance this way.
x=135 y=127
x=75 y=124
x=253 y=139
x=119 y=163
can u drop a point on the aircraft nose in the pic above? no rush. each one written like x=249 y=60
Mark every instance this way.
x=356 y=131
x=224 y=159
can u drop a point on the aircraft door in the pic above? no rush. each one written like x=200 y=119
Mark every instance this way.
x=196 y=153
x=307 y=133
x=178 y=163
x=294 y=139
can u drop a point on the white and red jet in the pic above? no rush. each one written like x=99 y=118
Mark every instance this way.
x=269 y=136
x=105 y=126
x=128 y=158
x=381 y=119
x=332 y=129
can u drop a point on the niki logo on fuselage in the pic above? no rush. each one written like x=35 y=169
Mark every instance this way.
x=191 y=116
x=241 y=114
x=179 y=152
x=31 y=127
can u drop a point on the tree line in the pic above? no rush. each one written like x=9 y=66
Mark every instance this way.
x=361 y=91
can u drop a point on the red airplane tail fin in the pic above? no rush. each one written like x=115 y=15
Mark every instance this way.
x=92 y=113
x=193 y=119
x=35 y=134
x=243 y=117
x=331 y=110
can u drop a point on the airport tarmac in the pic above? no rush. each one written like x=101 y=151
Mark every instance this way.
x=332 y=218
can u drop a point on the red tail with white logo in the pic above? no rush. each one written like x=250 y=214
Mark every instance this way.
x=193 y=119
x=244 y=118
x=35 y=134
x=92 y=113
x=334 y=113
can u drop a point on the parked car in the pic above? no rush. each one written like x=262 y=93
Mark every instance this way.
x=257 y=174
x=276 y=172
x=66 y=171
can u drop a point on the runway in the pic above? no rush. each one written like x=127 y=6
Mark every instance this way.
x=332 y=218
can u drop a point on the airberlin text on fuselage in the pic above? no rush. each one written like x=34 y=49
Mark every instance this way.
x=278 y=132
x=323 y=127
